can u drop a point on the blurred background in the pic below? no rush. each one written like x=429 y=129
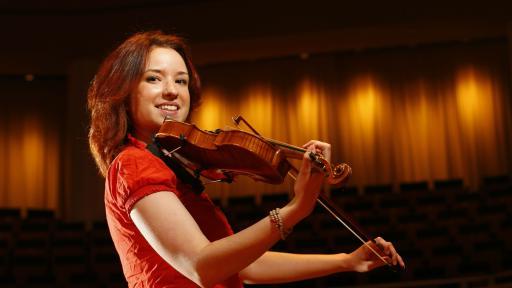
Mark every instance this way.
x=414 y=96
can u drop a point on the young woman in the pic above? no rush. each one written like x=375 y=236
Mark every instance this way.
x=166 y=234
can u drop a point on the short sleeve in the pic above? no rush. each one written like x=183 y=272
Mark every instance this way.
x=139 y=174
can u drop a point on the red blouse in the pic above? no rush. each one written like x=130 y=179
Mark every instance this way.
x=134 y=174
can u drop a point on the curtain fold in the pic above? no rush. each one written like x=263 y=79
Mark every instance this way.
x=30 y=135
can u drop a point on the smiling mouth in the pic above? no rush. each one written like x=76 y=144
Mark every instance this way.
x=168 y=107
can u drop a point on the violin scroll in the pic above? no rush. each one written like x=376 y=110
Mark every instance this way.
x=336 y=174
x=340 y=174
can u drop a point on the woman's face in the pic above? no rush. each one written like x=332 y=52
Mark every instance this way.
x=162 y=92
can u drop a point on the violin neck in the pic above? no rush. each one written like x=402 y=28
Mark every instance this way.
x=292 y=151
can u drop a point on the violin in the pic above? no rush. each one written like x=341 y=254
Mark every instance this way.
x=223 y=155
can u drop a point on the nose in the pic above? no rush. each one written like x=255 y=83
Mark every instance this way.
x=170 y=90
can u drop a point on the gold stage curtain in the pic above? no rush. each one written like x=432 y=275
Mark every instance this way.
x=395 y=115
x=30 y=137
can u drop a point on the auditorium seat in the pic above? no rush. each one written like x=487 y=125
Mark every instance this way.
x=326 y=223
x=10 y=214
x=451 y=218
x=492 y=214
x=382 y=276
x=470 y=202
x=343 y=192
x=506 y=228
x=5 y=255
x=446 y=232
x=490 y=251
x=341 y=280
x=41 y=281
x=272 y=201
x=375 y=224
x=431 y=236
x=8 y=281
x=431 y=204
x=343 y=195
x=105 y=263
x=31 y=249
x=40 y=214
x=396 y=234
x=116 y=280
x=472 y=266
x=359 y=206
x=429 y=271
x=475 y=231
x=25 y=265
x=343 y=243
x=414 y=187
x=243 y=212
x=104 y=258
x=499 y=194
x=69 y=254
x=378 y=190
x=413 y=256
x=411 y=219
x=496 y=181
x=7 y=233
x=394 y=205
x=242 y=203
x=84 y=280
x=307 y=242
x=449 y=185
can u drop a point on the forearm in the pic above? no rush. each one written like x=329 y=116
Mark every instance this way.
x=276 y=267
x=237 y=252
x=220 y=259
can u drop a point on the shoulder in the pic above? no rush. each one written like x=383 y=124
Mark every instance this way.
x=135 y=161
x=135 y=170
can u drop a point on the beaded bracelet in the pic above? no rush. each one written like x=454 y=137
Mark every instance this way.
x=275 y=218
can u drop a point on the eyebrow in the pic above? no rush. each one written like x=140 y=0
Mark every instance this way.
x=160 y=71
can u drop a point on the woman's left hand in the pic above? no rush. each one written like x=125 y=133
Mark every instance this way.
x=363 y=259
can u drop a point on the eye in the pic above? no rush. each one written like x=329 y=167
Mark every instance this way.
x=152 y=78
x=182 y=81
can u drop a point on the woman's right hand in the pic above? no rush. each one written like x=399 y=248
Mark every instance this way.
x=309 y=179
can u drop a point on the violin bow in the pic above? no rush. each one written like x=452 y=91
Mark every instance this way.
x=332 y=208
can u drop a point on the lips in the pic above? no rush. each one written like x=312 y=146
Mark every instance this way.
x=169 y=109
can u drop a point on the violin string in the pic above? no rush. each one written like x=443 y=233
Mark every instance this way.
x=169 y=154
x=213 y=181
x=285 y=145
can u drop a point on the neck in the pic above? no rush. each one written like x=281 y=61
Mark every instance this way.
x=144 y=137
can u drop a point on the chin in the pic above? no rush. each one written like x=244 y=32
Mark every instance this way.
x=180 y=117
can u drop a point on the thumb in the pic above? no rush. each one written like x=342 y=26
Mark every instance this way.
x=305 y=168
x=378 y=262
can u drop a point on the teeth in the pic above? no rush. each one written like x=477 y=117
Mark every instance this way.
x=168 y=107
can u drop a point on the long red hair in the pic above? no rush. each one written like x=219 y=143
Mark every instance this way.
x=110 y=90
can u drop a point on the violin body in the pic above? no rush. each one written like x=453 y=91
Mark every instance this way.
x=223 y=155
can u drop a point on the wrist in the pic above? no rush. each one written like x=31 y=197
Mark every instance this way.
x=297 y=210
x=291 y=215
x=346 y=262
